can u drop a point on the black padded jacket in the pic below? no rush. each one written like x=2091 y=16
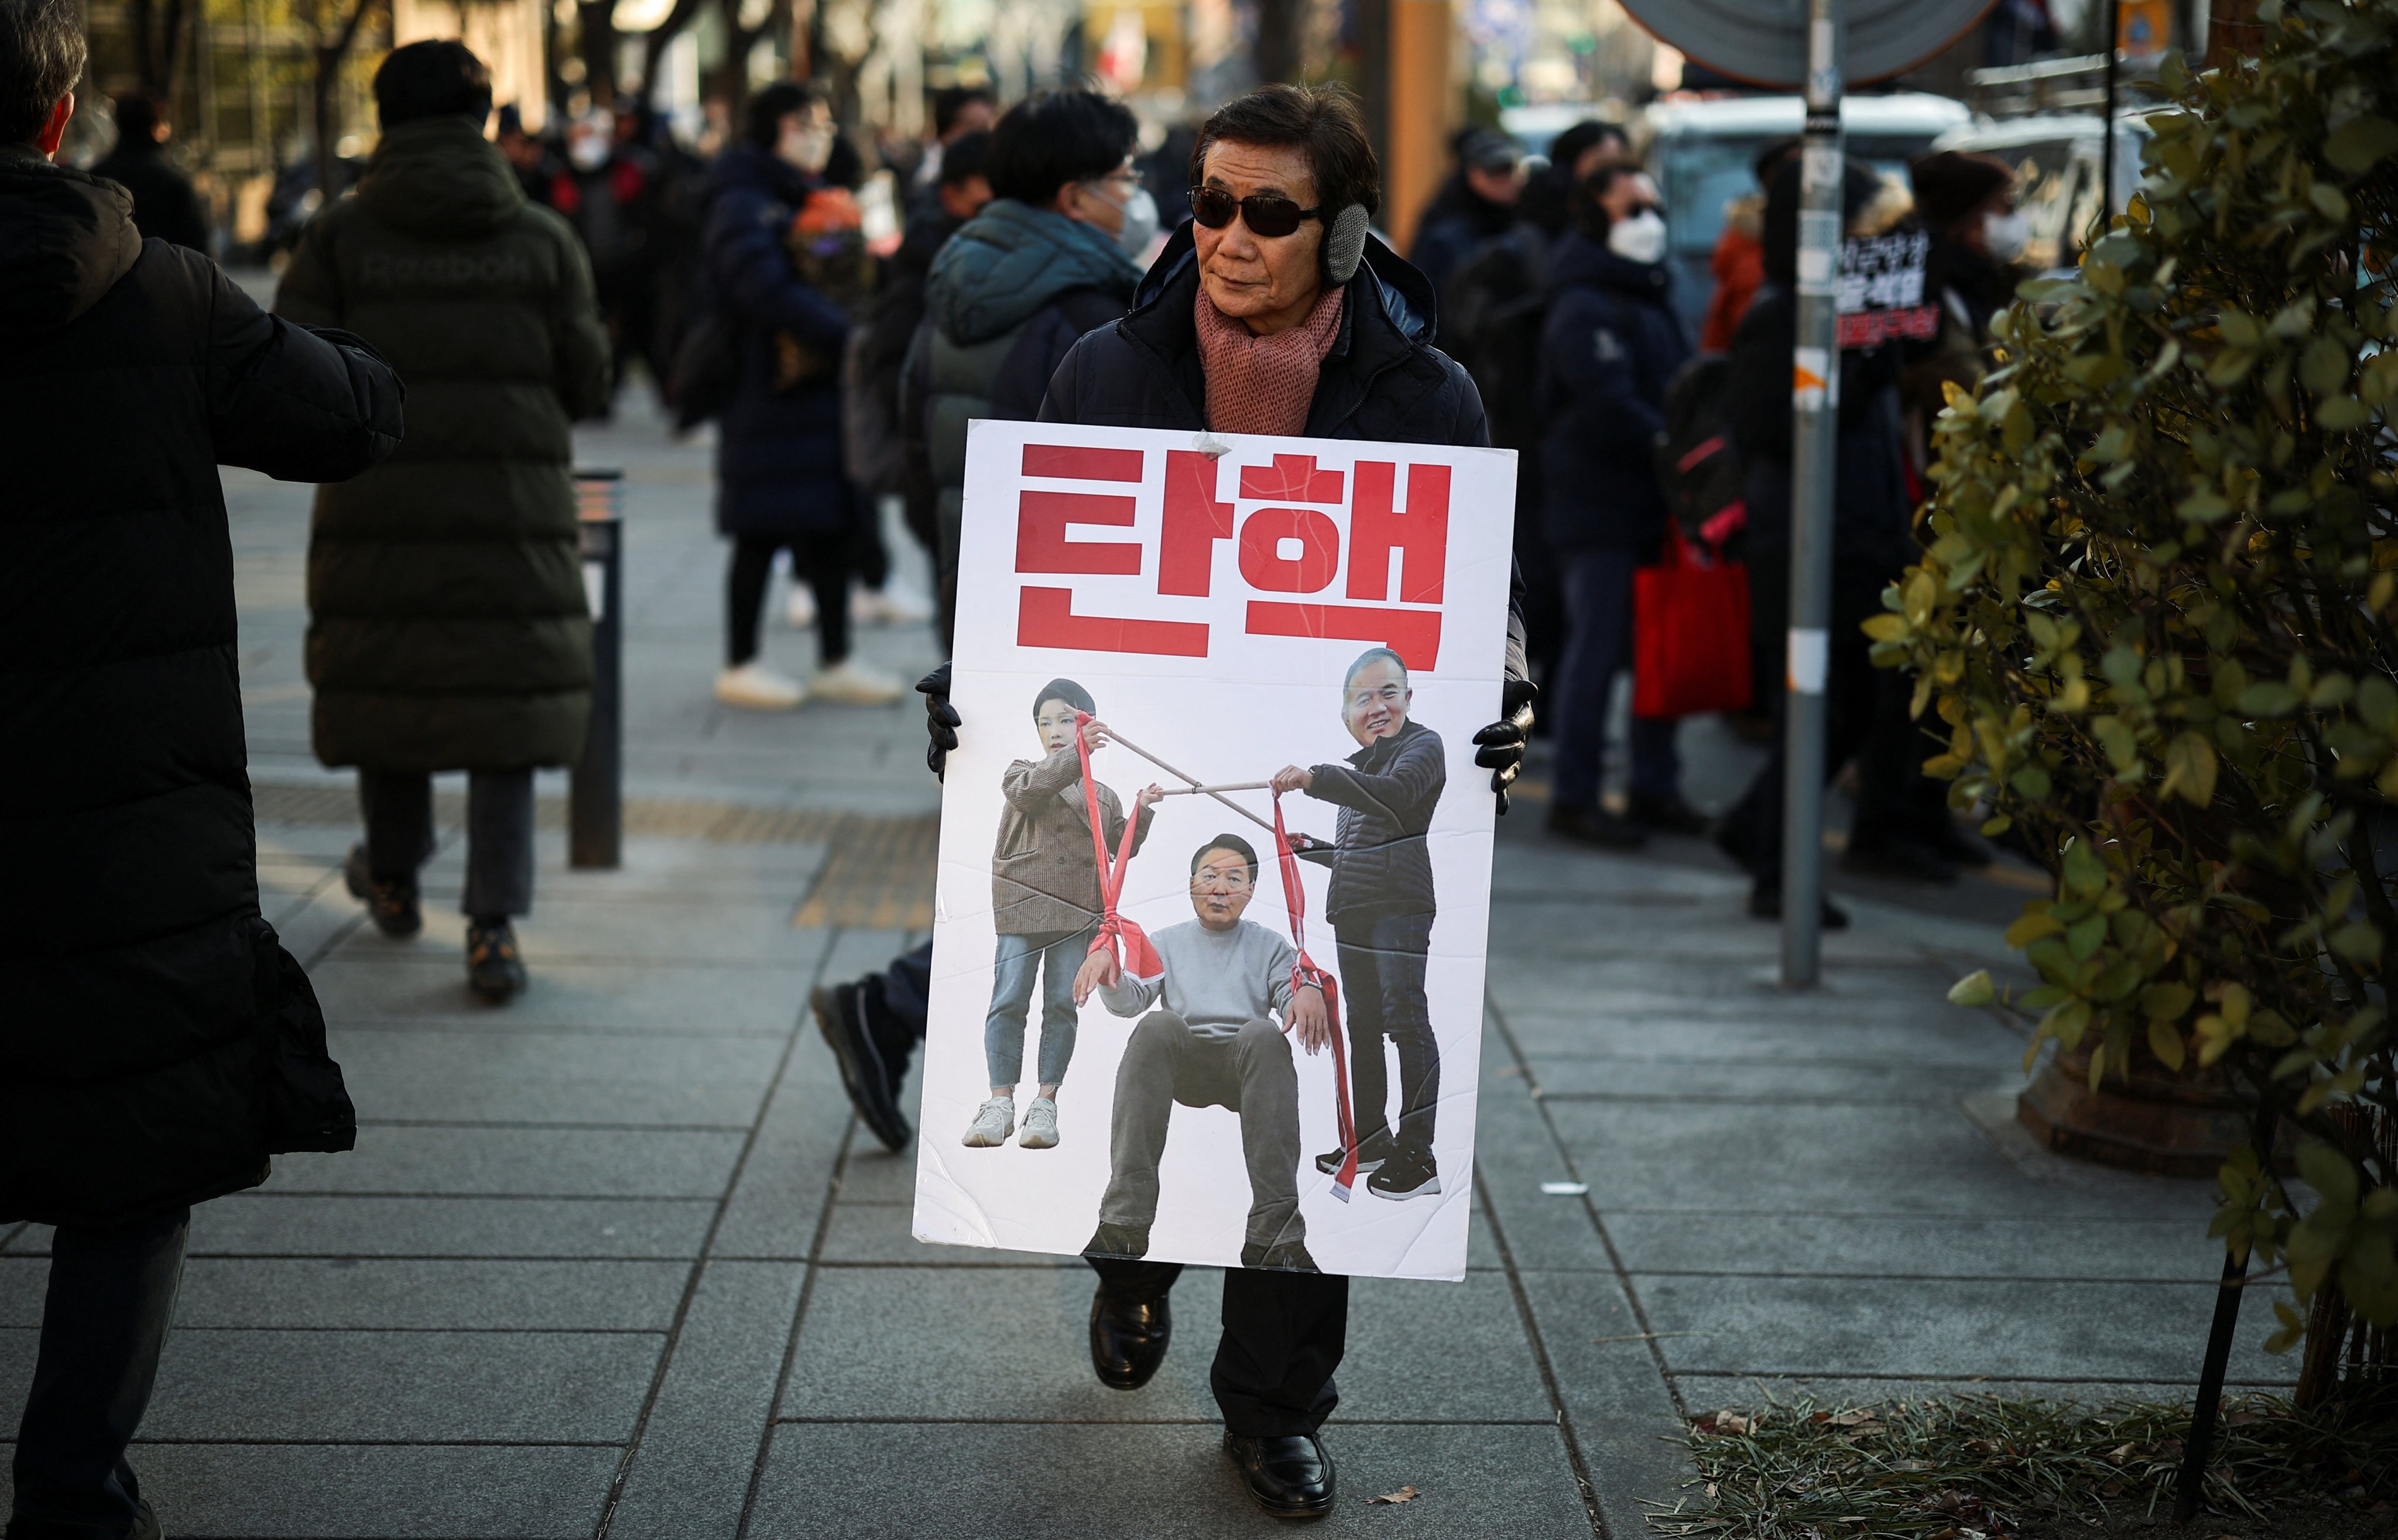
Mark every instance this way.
x=156 y=1042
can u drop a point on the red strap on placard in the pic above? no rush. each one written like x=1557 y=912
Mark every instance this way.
x=1138 y=960
x=1303 y=971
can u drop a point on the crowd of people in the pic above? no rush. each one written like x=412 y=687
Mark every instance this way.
x=1556 y=294
x=502 y=283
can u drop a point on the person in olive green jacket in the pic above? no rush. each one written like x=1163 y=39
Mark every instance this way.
x=447 y=628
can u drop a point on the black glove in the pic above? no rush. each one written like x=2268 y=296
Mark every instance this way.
x=941 y=722
x=1502 y=751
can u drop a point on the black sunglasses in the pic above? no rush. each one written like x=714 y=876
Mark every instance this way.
x=1265 y=214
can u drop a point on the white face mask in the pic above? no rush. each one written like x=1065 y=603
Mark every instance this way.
x=1139 y=213
x=587 y=151
x=1640 y=239
x=2006 y=234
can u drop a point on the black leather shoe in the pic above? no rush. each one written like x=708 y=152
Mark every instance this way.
x=1128 y=1338
x=1290 y=1476
x=841 y=1013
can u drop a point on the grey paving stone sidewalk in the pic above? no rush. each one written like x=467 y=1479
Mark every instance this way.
x=615 y=1261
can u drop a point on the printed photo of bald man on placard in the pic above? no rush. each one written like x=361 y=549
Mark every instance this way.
x=1214 y=858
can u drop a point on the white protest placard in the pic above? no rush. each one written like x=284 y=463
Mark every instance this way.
x=1203 y=616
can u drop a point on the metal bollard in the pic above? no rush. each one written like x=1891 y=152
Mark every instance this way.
x=595 y=800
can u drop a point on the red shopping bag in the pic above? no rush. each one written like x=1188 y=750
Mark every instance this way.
x=1689 y=618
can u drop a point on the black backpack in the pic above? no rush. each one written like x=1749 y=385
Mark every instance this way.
x=1491 y=316
x=1698 y=468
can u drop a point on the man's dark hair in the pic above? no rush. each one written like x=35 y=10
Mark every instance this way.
x=138 y=115
x=1323 y=120
x=768 y=107
x=1069 y=691
x=439 y=77
x=1858 y=186
x=950 y=101
x=1589 y=134
x=1054 y=138
x=1232 y=842
x=42 y=52
x=967 y=156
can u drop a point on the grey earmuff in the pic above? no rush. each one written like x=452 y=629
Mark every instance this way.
x=1345 y=244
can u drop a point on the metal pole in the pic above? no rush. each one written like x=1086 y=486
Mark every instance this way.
x=1815 y=401
x=2189 y=1486
x=595 y=798
x=2106 y=142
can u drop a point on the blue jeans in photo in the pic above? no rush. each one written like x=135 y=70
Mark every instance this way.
x=1598 y=647
x=1056 y=956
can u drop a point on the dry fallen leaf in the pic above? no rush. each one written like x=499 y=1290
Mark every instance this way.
x=1853 y=1419
x=1405 y=1494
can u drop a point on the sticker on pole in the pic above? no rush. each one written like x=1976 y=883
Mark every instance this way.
x=1215 y=876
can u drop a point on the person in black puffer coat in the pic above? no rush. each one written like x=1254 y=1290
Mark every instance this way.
x=1610 y=347
x=447 y=628
x=1871 y=544
x=158 y=1044
x=780 y=482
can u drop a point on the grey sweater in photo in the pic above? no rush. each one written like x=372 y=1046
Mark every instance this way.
x=1217 y=981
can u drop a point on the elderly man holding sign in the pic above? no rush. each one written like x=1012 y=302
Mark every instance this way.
x=1273 y=311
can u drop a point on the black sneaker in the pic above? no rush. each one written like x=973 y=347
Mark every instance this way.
x=391 y=904
x=1283 y=1256
x=1372 y=1151
x=1410 y=1173
x=1595 y=826
x=841 y=1013
x=1667 y=815
x=1765 y=903
x=494 y=968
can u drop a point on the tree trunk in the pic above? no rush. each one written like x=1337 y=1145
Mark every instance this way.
x=2232 y=32
x=320 y=121
x=595 y=27
x=157 y=38
x=655 y=42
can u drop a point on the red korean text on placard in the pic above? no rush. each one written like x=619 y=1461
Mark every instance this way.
x=1290 y=547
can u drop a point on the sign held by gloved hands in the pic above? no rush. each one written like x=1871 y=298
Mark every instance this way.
x=1215 y=855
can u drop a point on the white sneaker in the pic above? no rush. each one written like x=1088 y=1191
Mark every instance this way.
x=856 y=684
x=802 y=610
x=754 y=687
x=994 y=1120
x=892 y=604
x=1040 y=1126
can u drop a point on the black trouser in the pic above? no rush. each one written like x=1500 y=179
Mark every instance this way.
x=398 y=807
x=1382 y=995
x=1858 y=697
x=1284 y=1335
x=899 y=998
x=112 y=1293
x=822 y=561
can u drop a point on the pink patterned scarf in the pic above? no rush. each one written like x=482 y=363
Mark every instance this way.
x=1263 y=384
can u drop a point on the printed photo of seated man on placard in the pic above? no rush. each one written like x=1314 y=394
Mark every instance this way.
x=1215 y=857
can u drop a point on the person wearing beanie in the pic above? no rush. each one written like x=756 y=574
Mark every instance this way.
x=1967 y=204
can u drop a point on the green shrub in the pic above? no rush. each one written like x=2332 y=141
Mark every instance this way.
x=2155 y=613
